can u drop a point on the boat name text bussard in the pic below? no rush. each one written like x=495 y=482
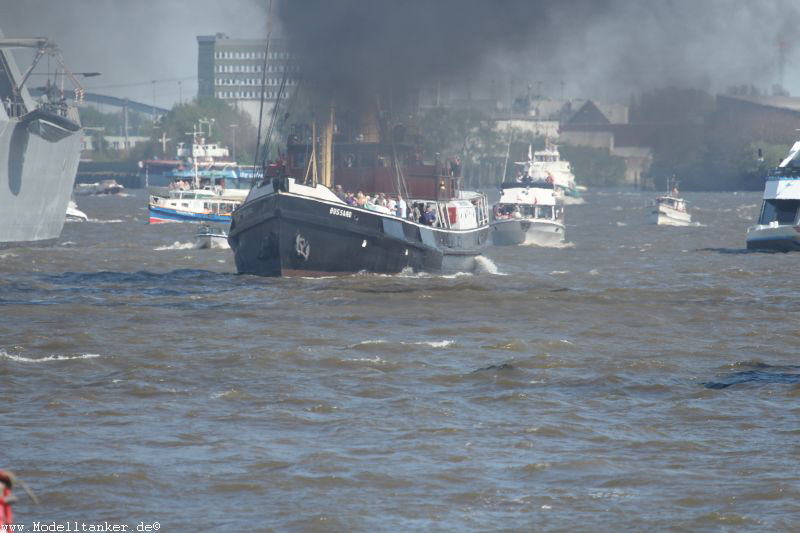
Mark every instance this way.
x=341 y=212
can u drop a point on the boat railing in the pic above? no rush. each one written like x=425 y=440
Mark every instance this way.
x=786 y=173
x=14 y=108
x=482 y=210
x=442 y=218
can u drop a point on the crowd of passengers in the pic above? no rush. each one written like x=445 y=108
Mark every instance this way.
x=179 y=185
x=504 y=211
x=390 y=205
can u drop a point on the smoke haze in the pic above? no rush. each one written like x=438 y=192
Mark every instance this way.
x=598 y=48
x=607 y=49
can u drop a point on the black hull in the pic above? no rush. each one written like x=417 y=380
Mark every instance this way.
x=774 y=245
x=283 y=234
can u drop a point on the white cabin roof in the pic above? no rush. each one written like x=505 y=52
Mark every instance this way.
x=528 y=196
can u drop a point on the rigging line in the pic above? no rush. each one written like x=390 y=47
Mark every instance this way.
x=263 y=85
x=136 y=84
x=273 y=117
x=508 y=153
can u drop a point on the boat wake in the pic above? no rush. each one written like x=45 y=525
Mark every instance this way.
x=432 y=344
x=484 y=265
x=734 y=251
x=49 y=358
x=556 y=245
x=176 y=246
x=757 y=373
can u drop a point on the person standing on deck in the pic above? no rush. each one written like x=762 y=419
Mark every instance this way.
x=402 y=207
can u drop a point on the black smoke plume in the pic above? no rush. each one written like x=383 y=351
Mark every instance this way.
x=349 y=48
x=597 y=48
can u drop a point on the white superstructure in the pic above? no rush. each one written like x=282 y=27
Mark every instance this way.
x=547 y=165
x=778 y=226
x=528 y=213
x=668 y=210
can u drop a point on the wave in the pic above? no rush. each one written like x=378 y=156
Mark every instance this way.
x=377 y=360
x=485 y=265
x=176 y=246
x=49 y=358
x=757 y=373
x=142 y=276
x=110 y=221
x=556 y=245
x=432 y=344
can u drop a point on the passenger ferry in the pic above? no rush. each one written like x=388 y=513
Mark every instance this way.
x=548 y=163
x=203 y=185
x=528 y=213
x=778 y=226
x=192 y=205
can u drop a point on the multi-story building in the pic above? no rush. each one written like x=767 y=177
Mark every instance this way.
x=233 y=70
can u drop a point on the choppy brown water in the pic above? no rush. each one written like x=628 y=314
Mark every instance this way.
x=641 y=379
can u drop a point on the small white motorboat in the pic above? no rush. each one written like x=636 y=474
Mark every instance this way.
x=75 y=214
x=208 y=237
x=669 y=209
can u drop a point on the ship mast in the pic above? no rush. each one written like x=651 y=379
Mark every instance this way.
x=327 y=151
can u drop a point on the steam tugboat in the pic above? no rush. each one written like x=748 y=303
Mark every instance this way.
x=293 y=223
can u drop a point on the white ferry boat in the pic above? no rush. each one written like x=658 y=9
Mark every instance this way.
x=547 y=163
x=778 y=226
x=528 y=213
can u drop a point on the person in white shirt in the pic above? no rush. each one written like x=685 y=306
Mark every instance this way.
x=401 y=207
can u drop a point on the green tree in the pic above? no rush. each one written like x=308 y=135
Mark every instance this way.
x=593 y=166
x=212 y=116
x=448 y=131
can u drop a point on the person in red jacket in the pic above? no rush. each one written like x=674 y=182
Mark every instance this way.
x=6 y=499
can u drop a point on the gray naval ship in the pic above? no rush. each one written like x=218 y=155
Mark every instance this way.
x=40 y=143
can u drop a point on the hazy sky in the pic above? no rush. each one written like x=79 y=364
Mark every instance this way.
x=133 y=42
x=598 y=48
